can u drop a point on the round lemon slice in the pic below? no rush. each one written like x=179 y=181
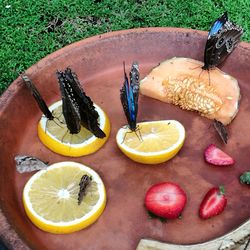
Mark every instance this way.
x=55 y=135
x=50 y=198
x=153 y=142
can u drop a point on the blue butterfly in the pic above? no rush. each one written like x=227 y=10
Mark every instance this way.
x=129 y=95
x=223 y=37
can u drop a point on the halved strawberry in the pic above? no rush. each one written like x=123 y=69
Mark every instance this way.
x=166 y=200
x=213 y=203
x=216 y=156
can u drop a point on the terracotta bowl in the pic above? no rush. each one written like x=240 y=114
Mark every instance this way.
x=98 y=63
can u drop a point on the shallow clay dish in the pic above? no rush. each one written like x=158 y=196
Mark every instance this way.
x=98 y=63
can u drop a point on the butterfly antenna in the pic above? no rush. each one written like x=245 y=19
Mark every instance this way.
x=59 y=125
x=139 y=132
x=209 y=80
x=138 y=135
x=61 y=122
x=201 y=72
x=124 y=137
x=60 y=117
x=195 y=67
x=124 y=70
x=70 y=142
x=65 y=134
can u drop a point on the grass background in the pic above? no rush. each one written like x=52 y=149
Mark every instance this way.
x=32 y=29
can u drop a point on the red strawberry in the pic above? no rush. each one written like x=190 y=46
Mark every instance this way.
x=166 y=200
x=213 y=203
x=217 y=157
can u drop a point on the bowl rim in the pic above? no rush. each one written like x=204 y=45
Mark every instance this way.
x=6 y=96
x=7 y=233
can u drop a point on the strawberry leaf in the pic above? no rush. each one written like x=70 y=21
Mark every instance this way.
x=154 y=216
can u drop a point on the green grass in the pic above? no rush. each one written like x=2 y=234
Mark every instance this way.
x=32 y=29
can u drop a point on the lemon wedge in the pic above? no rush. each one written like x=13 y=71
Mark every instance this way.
x=55 y=135
x=153 y=142
x=50 y=198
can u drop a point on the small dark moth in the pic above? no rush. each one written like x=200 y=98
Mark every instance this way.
x=78 y=108
x=40 y=101
x=129 y=95
x=222 y=131
x=25 y=164
x=84 y=183
x=223 y=37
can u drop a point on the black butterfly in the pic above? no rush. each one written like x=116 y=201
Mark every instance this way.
x=129 y=95
x=223 y=37
x=78 y=108
x=70 y=107
x=40 y=101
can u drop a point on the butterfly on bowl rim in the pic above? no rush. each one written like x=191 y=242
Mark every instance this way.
x=222 y=39
x=129 y=95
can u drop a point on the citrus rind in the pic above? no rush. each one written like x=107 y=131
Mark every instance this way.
x=65 y=227
x=151 y=157
x=89 y=146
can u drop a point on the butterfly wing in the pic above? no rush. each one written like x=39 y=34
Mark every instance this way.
x=70 y=107
x=88 y=114
x=222 y=131
x=40 y=101
x=79 y=93
x=223 y=37
x=129 y=94
x=217 y=25
x=25 y=164
x=125 y=100
x=84 y=183
x=135 y=84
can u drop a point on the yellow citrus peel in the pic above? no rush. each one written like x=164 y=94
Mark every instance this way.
x=50 y=198
x=55 y=135
x=153 y=142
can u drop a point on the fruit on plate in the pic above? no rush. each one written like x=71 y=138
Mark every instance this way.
x=213 y=203
x=245 y=178
x=51 y=198
x=166 y=200
x=181 y=81
x=55 y=135
x=217 y=157
x=153 y=142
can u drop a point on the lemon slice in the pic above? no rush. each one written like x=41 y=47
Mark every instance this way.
x=55 y=135
x=50 y=198
x=153 y=142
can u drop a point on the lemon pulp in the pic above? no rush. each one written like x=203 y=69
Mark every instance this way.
x=58 y=128
x=55 y=135
x=153 y=142
x=50 y=198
